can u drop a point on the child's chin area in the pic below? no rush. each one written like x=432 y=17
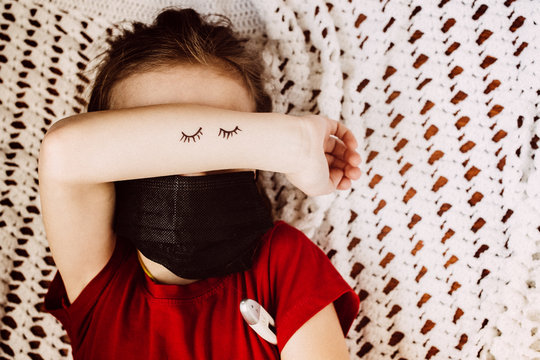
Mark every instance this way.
x=160 y=273
x=182 y=83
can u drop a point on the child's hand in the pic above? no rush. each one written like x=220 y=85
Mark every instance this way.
x=331 y=161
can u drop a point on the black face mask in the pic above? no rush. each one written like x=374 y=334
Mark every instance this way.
x=195 y=226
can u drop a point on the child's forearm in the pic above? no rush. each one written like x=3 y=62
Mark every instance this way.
x=155 y=141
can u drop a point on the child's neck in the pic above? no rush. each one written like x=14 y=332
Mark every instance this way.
x=160 y=273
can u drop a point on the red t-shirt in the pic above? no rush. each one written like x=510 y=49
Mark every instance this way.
x=122 y=313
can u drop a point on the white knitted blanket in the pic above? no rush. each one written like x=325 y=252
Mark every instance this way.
x=441 y=235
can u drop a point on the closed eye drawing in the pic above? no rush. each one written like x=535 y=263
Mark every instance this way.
x=226 y=134
x=194 y=137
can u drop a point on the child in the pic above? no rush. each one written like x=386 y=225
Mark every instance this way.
x=144 y=281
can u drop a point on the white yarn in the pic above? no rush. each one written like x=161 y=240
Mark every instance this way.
x=447 y=266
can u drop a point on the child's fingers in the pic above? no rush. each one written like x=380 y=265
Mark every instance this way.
x=350 y=139
x=344 y=184
x=330 y=144
x=334 y=162
x=340 y=150
x=344 y=134
x=330 y=159
x=351 y=172
x=353 y=157
x=336 y=176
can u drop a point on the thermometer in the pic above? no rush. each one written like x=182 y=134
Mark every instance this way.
x=259 y=320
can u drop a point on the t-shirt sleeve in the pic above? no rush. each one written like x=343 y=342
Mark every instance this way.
x=73 y=316
x=304 y=282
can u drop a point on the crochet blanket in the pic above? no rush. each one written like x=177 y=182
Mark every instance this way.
x=441 y=235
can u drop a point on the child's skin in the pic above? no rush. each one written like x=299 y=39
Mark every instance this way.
x=83 y=155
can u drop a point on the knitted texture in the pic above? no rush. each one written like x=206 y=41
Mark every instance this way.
x=441 y=235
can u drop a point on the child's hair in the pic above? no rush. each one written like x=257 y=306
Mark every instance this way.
x=178 y=36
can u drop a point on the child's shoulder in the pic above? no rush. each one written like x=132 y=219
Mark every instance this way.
x=285 y=237
x=284 y=230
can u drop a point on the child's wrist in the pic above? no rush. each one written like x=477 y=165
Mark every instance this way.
x=294 y=142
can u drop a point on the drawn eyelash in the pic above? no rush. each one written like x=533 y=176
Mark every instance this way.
x=188 y=138
x=226 y=134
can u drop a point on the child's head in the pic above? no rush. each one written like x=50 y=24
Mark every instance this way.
x=180 y=58
x=176 y=38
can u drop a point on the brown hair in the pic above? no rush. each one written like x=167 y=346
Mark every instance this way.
x=178 y=36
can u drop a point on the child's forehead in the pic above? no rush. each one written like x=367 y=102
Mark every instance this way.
x=182 y=83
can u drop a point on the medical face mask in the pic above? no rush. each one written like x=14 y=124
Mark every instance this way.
x=195 y=226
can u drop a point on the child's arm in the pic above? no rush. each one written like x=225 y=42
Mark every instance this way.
x=320 y=337
x=82 y=155
x=155 y=141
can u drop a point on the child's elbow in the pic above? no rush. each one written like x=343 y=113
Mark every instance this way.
x=53 y=151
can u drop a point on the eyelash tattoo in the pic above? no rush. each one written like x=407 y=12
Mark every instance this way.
x=226 y=134
x=188 y=138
